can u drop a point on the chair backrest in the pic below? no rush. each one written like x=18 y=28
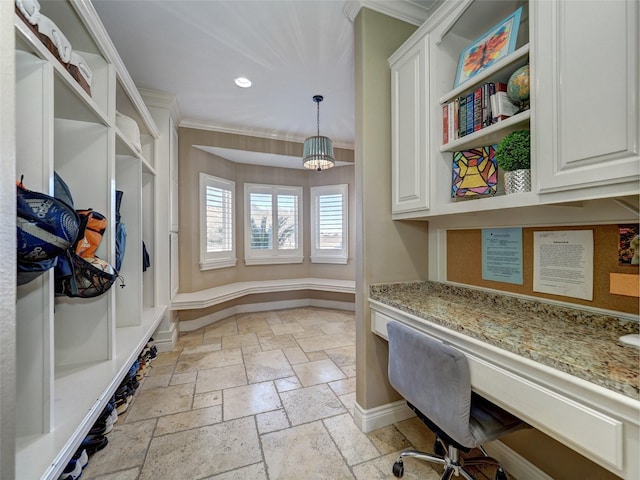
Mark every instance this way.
x=434 y=377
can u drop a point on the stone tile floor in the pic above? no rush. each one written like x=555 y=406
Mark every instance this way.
x=259 y=396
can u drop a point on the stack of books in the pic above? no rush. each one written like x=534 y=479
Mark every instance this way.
x=484 y=106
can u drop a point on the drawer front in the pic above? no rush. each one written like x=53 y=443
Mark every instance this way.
x=587 y=430
x=379 y=323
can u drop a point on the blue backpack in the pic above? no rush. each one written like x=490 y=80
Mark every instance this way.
x=46 y=227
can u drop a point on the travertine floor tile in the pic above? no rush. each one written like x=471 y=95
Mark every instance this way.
x=286 y=384
x=166 y=358
x=354 y=445
x=238 y=341
x=182 y=378
x=272 y=421
x=126 y=449
x=200 y=361
x=160 y=401
x=251 y=472
x=155 y=381
x=249 y=400
x=286 y=328
x=252 y=325
x=203 y=452
x=131 y=474
x=273 y=342
x=303 y=452
x=219 y=378
x=208 y=399
x=342 y=387
x=324 y=342
x=312 y=403
x=295 y=355
x=343 y=355
x=188 y=420
x=388 y=439
x=269 y=365
x=228 y=326
x=314 y=373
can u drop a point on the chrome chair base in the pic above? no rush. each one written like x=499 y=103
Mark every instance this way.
x=453 y=465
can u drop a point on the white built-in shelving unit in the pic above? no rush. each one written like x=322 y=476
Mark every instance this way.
x=585 y=142
x=73 y=353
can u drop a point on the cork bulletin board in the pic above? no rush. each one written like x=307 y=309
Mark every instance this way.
x=464 y=257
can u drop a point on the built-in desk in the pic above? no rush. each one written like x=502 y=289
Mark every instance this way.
x=561 y=370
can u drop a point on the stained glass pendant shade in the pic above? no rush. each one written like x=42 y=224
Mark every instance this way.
x=318 y=150
x=475 y=172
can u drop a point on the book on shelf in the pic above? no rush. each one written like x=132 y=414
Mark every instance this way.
x=469 y=108
x=486 y=105
x=462 y=116
x=449 y=122
x=501 y=105
x=445 y=123
x=477 y=109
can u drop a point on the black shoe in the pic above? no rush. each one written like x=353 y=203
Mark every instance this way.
x=94 y=444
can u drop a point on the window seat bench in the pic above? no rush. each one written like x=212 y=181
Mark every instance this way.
x=210 y=297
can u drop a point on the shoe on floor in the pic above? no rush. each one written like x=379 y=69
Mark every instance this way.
x=72 y=471
x=94 y=444
x=81 y=457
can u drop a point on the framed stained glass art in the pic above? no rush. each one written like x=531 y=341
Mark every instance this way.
x=475 y=172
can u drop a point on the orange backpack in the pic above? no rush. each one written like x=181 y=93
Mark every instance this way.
x=92 y=226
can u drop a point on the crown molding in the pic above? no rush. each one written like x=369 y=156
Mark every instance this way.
x=155 y=98
x=406 y=11
x=249 y=132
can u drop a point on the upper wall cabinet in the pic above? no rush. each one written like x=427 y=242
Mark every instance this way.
x=582 y=112
x=409 y=87
x=586 y=117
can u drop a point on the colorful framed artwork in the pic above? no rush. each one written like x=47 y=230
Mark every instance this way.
x=475 y=172
x=497 y=43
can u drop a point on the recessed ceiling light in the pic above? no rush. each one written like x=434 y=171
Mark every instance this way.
x=243 y=82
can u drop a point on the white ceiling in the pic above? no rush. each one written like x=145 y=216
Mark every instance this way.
x=290 y=50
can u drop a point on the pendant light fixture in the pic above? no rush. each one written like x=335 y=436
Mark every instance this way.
x=318 y=151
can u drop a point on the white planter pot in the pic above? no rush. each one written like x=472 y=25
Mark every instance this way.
x=517 y=181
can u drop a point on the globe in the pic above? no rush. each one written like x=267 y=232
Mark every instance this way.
x=518 y=85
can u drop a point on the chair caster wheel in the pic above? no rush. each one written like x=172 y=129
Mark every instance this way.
x=398 y=469
x=500 y=475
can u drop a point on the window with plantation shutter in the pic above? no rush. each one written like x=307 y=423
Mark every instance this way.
x=273 y=220
x=217 y=229
x=329 y=224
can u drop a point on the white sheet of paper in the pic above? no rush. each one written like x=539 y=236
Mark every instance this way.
x=563 y=263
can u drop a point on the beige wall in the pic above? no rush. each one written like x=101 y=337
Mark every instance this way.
x=192 y=161
x=389 y=251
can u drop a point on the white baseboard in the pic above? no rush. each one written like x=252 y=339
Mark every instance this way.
x=165 y=341
x=378 y=417
x=191 y=325
x=384 y=415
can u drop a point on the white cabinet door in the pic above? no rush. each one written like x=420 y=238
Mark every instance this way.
x=586 y=96
x=410 y=129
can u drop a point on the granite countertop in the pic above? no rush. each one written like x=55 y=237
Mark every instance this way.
x=577 y=342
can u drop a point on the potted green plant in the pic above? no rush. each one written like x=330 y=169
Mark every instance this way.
x=513 y=156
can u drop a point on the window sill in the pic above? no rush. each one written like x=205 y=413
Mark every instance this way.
x=222 y=263
x=328 y=259
x=273 y=260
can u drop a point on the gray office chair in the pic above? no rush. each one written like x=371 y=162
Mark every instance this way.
x=434 y=380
